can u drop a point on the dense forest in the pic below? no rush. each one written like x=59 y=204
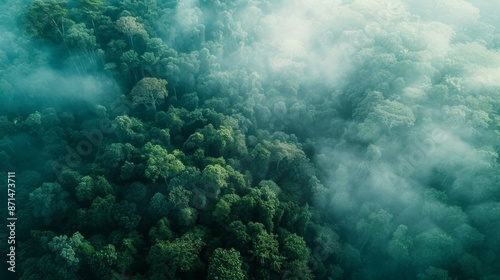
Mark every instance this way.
x=251 y=139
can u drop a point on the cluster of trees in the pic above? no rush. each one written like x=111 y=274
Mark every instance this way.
x=196 y=162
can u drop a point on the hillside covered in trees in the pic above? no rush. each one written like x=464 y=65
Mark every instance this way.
x=251 y=139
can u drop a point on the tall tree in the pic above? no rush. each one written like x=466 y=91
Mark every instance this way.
x=129 y=26
x=149 y=92
x=47 y=19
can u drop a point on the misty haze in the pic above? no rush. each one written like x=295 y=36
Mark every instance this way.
x=250 y=139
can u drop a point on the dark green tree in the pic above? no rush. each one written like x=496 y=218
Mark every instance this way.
x=181 y=254
x=49 y=202
x=225 y=264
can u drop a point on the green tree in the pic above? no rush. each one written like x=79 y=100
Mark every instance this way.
x=70 y=252
x=90 y=6
x=223 y=212
x=65 y=253
x=148 y=61
x=400 y=245
x=149 y=92
x=124 y=215
x=127 y=249
x=259 y=205
x=158 y=205
x=85 y=189
x=103 y=261
x=219 y=140
x=98 y=217
x=34 y=120
x=130 y=61
x=129 y=26
x=45 y=267
x=265 y=251
x=160 y=163
x=259 y=158
x=433 y=247
x=112 y=156
x=214 y=178
x=178 y=197
x=374 y=232
x=186 y=217
x=194 y=141
x=297 y=270
x=48 y=18
x=294 y=247
x=168 y=257
x=393 y=114
x=225 y=264
x=81 y=38
x=161 y=231
x=49 y=202
x=88 y=188
x=130 y=130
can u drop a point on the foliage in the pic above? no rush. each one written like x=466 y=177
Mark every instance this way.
x=225 y=264
x=49 y=202
x=324 y=140
x=149 y=92
x=160 y=163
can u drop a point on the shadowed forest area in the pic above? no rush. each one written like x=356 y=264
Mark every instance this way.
x=251 y=139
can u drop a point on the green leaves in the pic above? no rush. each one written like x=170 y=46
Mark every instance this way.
x=433 y=247
x=295 y=248
x=34 y=120
x=98 y=217
x=215 y=178
x=49 y=202
x=394 y=114
x=158 y=205
x=124 y=215
x=160 y=163
x=103 y=260
x=148 y=91
x=179 y=197
x=223 y=210
x=225 y=264
x=265 y=251
x=129 y=26
x=91 y=5
x=161 y=231
x=64 y=250
x=47 y=18
x=167 y=257
x=90 y=188
x=81 y=38
x=400 y=246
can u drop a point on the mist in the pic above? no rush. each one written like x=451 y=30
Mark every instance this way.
x=357 y=139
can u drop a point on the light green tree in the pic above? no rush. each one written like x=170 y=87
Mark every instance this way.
x=129 y=26
x=215 y=178
x=149 y=92
x=160 y=163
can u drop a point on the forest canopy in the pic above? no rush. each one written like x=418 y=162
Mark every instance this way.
x=262 y=139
